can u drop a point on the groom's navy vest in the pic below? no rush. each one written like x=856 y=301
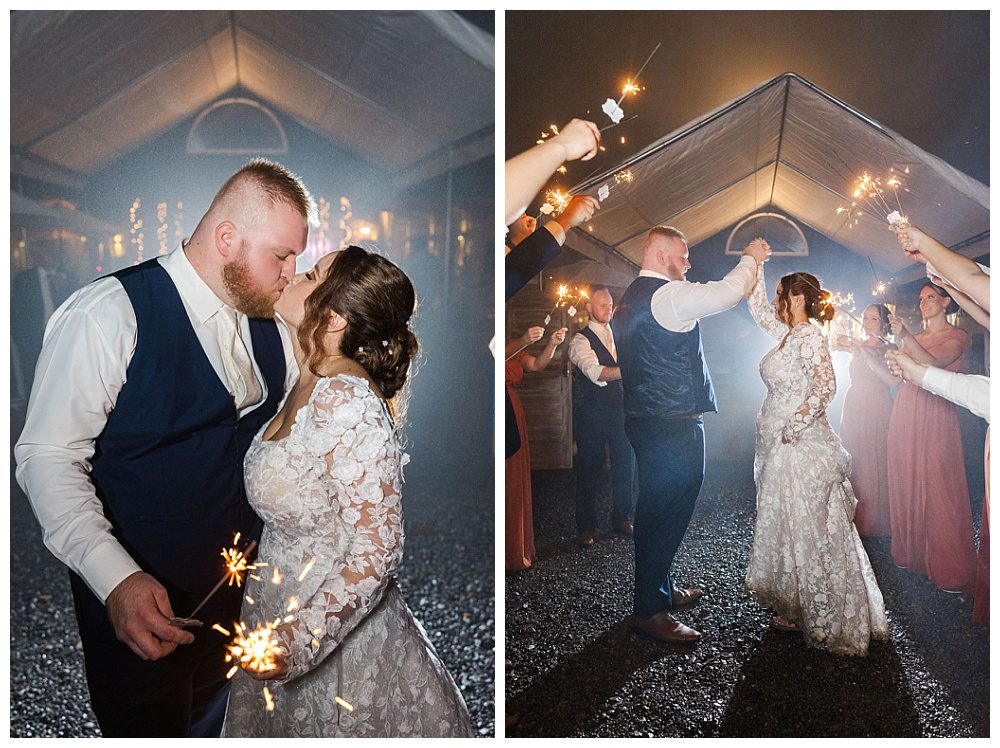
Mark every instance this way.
x=590 y=399
x=663 y=372
x=168 y=467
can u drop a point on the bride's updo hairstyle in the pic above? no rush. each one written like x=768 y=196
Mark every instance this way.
x=377 y=300
x=817 y=298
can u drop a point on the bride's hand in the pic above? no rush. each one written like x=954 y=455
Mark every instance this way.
x=280 y=670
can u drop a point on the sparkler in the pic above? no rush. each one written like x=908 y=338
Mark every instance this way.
x=870 y=189
x=622 y=177
x=254 y=650
x=236 y=565
x=565 y=297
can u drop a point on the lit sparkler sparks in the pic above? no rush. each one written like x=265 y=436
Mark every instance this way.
x=631 y=88
x=306 y=569
x=565 y=297
x=255 y=650
x=236 y=564
x=276 y=577
x=557 y=200
x=343 y=703
x=268 y=701
x=871 y=189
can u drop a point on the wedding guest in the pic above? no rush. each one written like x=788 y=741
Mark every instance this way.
x=599 y=420
x=519 y=531
x=930 y=513
x=864 y=423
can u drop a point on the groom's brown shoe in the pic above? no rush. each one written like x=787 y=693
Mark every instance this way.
x=682 y=598
x=664 y=627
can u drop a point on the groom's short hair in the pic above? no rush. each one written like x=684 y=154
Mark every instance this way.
x=276 y=183
x=667 y=232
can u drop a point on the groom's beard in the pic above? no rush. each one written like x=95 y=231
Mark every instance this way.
x=247 y=296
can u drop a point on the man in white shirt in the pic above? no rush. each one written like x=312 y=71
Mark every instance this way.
x=150 y=386
x=666 y=390
x=599 y=420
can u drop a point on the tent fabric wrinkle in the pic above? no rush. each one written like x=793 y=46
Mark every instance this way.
x=790 y=146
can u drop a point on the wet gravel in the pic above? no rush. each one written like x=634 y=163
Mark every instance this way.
x=574 y=670
x=446 y=578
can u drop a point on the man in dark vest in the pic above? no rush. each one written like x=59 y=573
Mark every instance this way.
x=150 y=385
x=599 y=419
x=666 y=390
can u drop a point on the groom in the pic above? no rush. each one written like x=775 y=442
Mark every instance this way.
x=666 y=390
x=150 y=386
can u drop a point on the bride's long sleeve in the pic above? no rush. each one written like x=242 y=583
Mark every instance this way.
x=362 y=478
x=814 y=354
x=761 y=309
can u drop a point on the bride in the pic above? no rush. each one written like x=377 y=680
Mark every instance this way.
x=807 y=563
x=325 y=476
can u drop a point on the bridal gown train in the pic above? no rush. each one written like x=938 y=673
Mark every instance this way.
x=807 y=561
x=329 y=495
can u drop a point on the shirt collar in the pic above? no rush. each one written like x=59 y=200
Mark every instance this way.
x=200 y=299
x=652 y=274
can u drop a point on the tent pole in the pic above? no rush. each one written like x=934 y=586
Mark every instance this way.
x=446 y=295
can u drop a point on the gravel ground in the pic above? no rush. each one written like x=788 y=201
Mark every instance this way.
x=574 y=670
x=447 y=579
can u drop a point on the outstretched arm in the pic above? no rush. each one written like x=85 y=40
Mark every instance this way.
x=762 y=311
x=814 y=352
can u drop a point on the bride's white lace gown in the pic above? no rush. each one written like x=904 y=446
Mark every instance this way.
x=329 y=495
x=807 y=561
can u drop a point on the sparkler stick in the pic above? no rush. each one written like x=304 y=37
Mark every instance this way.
x=658 y=44
x=615 y=124
x=564 y=297
x=235 y=564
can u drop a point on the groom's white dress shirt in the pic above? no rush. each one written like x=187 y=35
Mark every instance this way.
x=88 y=345
x=582 y=355
x=678 y=305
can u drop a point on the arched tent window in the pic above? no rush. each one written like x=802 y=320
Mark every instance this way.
x=235 y=126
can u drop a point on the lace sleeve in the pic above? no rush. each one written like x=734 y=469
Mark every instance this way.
x=761 y=309
x=362 y=478
x=814 y=354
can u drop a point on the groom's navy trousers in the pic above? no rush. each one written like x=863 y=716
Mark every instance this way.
x=671 y=456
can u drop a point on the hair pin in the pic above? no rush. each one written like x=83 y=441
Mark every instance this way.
x=385 y=343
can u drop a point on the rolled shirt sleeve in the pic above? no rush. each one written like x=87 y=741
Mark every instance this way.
x=678 y=305
x=87 y=346
x=582 y=356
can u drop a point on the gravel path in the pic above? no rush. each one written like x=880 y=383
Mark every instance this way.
x=447 y=580
x=574 y=670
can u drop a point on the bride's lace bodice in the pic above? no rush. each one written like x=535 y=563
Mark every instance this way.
x=798 y=373
x=329 y=495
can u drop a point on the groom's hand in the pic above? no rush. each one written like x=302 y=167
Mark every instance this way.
x=140 y=612
x=759 y=249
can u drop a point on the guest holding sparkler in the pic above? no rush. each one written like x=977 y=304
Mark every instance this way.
x=970 y=288
x=929 y=504
x=519 y=532
x=864 y=424
x=325 y=475
x=150 y=386
x=807 y=562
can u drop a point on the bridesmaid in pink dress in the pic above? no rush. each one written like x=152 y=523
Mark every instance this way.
x=519 y=531
x=929 y=507
x=864 y=425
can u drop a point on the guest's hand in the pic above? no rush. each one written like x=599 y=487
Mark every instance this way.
x=911 y=240
x=844 y=343
x=532 y=335
x=897 y=326
x=139 y=611
x=557 y=337
x=580 y=209
x=758 y=249
x=579 y=139
x=904 y=367
x=280 y=670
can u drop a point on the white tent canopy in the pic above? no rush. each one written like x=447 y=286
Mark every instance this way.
x=394 y=87
x=785 y=144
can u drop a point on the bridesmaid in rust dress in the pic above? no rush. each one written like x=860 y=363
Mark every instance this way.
x=929 y=505
x=519 y=533
x=864 y=425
